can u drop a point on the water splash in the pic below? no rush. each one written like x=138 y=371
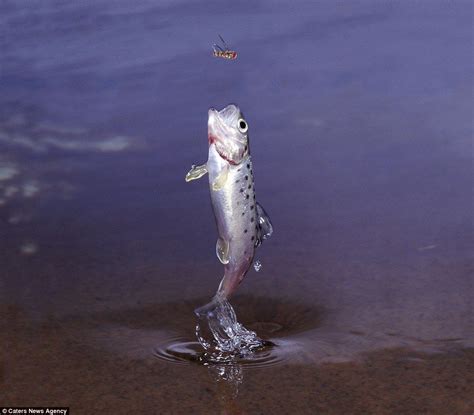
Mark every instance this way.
x=257 y=265
x=221 y=335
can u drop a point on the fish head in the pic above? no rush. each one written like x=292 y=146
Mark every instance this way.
x=228 y=131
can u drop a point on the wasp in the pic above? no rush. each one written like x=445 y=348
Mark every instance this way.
x=225 y=52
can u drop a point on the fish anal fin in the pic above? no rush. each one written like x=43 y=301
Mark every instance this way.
x=264 y=225
x=222 y=250
x=196 y=172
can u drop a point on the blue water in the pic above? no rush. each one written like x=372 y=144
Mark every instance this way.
x=360 y=118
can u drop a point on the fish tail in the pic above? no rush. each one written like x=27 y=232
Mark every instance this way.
x=229 y=284
x=206 y=309
x=226 y=287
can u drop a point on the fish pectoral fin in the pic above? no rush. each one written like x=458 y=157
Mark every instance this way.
x=222 y=250
x=221 y=179
x=264 y=225
x=196 y=172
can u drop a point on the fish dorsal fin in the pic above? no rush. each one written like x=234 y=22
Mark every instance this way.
x=196 y=172
x=221 y=179
x=222 y=251
x=264 y=225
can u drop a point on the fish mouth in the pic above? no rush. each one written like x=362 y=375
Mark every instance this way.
x=215 y=126
x=221 y=134
x=219 y=121
x=225 y=116
x=215 y=140
x=229 y=112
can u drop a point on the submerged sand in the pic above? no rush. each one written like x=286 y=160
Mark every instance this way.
x=53 y=364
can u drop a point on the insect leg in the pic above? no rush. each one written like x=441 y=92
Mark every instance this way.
x=217 y=47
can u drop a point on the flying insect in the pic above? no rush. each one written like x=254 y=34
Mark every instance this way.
x=223 y=52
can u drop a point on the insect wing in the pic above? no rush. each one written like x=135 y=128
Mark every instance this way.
x=223 y=42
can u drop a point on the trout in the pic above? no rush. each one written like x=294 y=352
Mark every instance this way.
x=242 y=223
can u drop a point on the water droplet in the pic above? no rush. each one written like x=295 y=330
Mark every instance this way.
x=257 y=265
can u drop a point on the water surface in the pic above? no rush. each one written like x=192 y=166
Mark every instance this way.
x=361 y=135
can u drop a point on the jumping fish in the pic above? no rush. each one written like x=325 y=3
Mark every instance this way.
x=242 y=223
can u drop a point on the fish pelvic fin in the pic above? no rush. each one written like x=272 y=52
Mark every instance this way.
x=196 y=172
x=221 y=179
x=222 y=251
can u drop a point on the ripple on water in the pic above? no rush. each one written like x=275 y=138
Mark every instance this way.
x=277 y=321
x=181 y=351
x=148 y=331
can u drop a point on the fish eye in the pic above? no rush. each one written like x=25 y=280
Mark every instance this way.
x=243 y=126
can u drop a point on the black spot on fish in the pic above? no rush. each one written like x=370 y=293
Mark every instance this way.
x=251 y=219
x=251 y=207
x=246 y=177
x=245 y=231
x=251 y=172
x=252 y=238
x=237 y=181
x=253 y=197
x=241 y=190
x=247 y=196
x=245 y=148
x=250 y=186
x=243 y=213
x=239 y=169
x=248 y=166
